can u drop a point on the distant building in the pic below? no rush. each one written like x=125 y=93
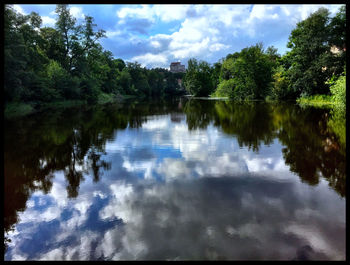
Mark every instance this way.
x=177 y=67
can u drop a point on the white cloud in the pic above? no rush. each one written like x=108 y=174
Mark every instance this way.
x=19 y=9
x=316 y=238
x=155 y=44
x=111 y=34
x=156 y=124
x=187 y=50
x=140 y=166
x=172 y=169
x=263 y=12
x=171 y=12
x=297 y=13
x=17 y=256
x=151 y=59
x=48 y=21
x=165 y=13
x=217 y=47
x=143 y=11
x=77 y=12
x=120 y=192
x=55 y=254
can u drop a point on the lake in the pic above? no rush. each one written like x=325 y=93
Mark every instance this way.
x=181 y=179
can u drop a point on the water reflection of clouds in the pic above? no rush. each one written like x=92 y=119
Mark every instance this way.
x=203 y=152
x=206 y=218
x=240 y=215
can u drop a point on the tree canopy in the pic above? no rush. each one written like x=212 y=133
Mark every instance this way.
x=67 y=62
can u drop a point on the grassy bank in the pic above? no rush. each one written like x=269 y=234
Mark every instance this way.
x=320 y=101
x=62 y=104
x=18 y=109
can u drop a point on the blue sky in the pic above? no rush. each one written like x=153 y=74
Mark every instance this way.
x=156 y=35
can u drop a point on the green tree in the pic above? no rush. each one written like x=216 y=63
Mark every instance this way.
x=279 y=89
x=338 y=90
x=15 y=54
x=250 y=72
x=337 y=40
x=170 y=86
x=155 y=81
x=124 y=82
x=337 y=26
x=25 y=79
x=139 y=79
x=68 y=31
x=197 y=79
x=215 y=74
x=52 y=44
x=225 y=88
x=310 y=55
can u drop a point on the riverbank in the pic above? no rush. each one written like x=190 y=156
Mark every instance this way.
x=20 y=109
x=318 y=101
x=207 y=98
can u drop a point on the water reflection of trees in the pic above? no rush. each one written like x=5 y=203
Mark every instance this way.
x=251 y=123
x=312 y=150
x=312 y=137
x=71 y=141
x=199 y=113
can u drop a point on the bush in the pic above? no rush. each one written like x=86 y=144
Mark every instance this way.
x=338 y=90
x=89 y=90
x=70 y=88
x=197 y=79
x=225 y=88
x=279 y=88
x=251 y=74
x=316 y=101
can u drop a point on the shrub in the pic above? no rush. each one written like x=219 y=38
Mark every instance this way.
x=338 y=90
x=225 y=88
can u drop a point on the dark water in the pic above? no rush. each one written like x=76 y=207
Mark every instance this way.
x=177 y=180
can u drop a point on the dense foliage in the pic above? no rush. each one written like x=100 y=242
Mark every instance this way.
x=44 y=64
x=338 y=90
x=246 y=75
x=198 y=78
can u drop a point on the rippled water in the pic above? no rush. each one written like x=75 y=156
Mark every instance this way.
x=176 y=180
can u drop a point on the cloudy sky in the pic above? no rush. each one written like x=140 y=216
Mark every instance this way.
x=156 y=35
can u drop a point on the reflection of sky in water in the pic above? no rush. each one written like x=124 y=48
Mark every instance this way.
x=178 y=194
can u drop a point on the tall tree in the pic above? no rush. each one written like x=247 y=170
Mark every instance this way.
x=310 y=55
x=14 y=53
x=197 y=80
x=65 y=25
x=246 y=75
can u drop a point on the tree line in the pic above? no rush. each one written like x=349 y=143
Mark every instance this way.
x=315 y=64
x=66 y=62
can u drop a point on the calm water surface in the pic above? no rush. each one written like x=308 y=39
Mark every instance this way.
x=178 y=180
